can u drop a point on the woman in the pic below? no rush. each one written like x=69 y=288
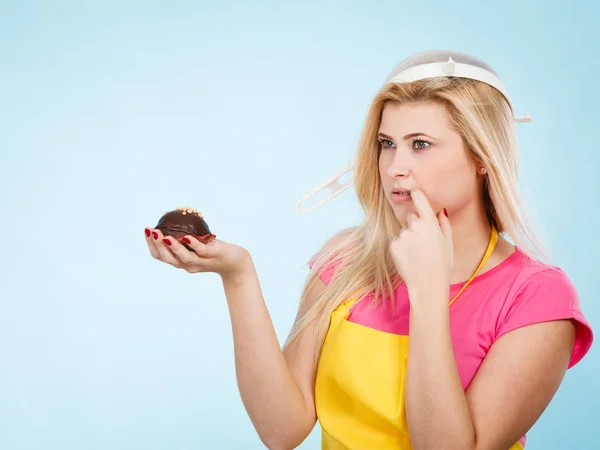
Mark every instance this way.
x=423 y=327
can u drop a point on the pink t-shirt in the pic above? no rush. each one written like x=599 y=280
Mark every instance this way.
x=516 y=293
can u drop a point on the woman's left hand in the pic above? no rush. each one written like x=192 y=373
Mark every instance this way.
x=423 y=251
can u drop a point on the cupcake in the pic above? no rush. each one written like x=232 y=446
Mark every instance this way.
x=185 y=221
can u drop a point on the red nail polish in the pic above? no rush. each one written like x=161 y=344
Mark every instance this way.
x=445 y=212
x=147 y=231
x=187 y=241
x=167 y=241
x=155 y=234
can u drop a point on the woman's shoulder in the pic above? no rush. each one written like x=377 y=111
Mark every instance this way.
x=540 y=292
x=528 y=279
x=520 y=267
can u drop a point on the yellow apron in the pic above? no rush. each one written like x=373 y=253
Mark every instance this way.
x=359 y=391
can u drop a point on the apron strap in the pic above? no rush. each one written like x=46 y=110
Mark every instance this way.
x=488 y=252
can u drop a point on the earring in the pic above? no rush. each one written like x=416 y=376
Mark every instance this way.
x=482 y=171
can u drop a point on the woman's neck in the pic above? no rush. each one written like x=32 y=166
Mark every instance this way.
x=471 y=234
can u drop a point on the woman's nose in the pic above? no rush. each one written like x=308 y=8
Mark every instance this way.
x=399 y=166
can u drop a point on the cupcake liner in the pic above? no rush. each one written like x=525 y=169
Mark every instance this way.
x=205 y=238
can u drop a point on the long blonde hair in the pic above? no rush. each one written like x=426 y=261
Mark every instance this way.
x=360 y=255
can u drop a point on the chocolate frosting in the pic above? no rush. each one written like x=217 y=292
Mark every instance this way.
x=176 y=223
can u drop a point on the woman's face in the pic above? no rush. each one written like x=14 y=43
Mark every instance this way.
x=418 y=149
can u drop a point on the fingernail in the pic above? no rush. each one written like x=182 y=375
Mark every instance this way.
x=445 y=212
x=187 y=240
x=147 y=231
x=155 y=234
x=167 y=241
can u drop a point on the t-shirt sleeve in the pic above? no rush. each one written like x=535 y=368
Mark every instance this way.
x=543 y=297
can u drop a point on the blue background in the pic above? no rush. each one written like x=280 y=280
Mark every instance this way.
x=113 y=112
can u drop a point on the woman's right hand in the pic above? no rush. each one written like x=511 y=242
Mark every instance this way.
x=217 y=256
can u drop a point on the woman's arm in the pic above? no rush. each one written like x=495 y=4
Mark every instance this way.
x=277 y=389
x=514 y=385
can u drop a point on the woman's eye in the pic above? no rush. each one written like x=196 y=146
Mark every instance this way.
x=386 y=143
x=419 y=144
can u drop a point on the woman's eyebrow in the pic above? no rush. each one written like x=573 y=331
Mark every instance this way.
x=408 y=136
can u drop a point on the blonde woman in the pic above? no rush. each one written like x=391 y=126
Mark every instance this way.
x=423 y=327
